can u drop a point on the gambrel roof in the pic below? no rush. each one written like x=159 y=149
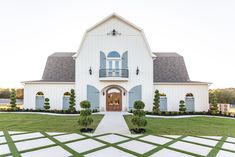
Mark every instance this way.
x=169 y=67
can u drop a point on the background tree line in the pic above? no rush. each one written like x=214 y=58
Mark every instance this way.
x=5 y=93
x=225 y=95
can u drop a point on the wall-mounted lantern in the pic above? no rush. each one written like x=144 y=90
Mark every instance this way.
x=137 y=71
x=90 y=71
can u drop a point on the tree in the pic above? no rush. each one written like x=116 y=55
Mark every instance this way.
x=47 y=104
x=85 y=118
x=156 y=103
x=20 y=93
x=139 y=115
x=182 y=107
x=13 y=99
x=72 y=101
x=214 y=105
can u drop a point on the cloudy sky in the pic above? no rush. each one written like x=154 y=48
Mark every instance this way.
x=203 y=31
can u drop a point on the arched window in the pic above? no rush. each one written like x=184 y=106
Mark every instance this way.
x=113 y=64
x=113 y=54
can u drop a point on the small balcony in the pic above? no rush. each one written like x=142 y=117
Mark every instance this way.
x=113 y=74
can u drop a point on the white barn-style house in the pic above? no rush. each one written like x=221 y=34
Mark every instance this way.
x=113 y=67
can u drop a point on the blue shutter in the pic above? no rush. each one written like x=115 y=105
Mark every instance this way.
x=102 y=60
x=125 y=64
x=102 y=64
x=39 y=102
x=134 y=94
x=93 y=95
x=125 y=60
x=66 y=102
x=189 y=104
x=163 y=103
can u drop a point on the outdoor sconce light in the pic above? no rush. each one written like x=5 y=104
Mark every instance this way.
x=137 y=71
x=124 y=93
x=90 y=71
x=103 y=93
x=114 y=32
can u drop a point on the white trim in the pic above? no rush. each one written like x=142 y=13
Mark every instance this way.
x=181 y=83
x=110 y=16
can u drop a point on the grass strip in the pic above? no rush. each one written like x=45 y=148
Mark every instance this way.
x=11 y=145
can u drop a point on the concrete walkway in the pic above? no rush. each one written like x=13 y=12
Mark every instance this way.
x=113 y=122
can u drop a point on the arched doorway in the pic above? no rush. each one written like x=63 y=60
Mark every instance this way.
x=114 y=99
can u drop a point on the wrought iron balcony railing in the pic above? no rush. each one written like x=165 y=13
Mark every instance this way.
x=124 y=73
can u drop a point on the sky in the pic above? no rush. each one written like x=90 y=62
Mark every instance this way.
x=203 y=31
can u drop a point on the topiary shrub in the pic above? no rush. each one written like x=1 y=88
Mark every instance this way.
x=13 y=99
x=182 y=107
x=138 y=119
x=47 y=104
x=85 y=118
x=214 y=105
x=156 y=103
x=72 y=101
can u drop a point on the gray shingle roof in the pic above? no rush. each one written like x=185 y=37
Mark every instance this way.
x=169 y=67
x=60 y=67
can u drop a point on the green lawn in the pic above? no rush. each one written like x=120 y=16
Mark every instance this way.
x=189 y=126
x=48 y=123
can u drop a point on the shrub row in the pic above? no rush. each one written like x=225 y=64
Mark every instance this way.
x=170 y=113
x=45 y=111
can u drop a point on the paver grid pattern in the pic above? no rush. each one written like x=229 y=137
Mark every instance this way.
x=38 y=144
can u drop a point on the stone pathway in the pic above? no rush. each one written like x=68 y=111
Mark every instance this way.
x=113 y=122
x=47 y=144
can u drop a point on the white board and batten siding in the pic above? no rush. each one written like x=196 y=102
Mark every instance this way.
x=177 y=92
x=53 y=91
x=130 y=40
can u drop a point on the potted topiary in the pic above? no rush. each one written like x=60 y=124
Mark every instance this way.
x=182 y=107
x=138 y=119
x=85 y=118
